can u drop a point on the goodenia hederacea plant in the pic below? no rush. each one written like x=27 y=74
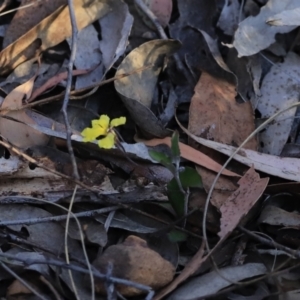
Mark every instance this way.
x=104 y=128
x=184 y=178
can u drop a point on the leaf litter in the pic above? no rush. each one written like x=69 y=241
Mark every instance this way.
x=157 y=211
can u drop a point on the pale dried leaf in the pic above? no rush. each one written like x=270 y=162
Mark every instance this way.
x=254 y=34
x=14 y=99
x=287 y=17
x=283 y=167
x=276 y=216
x=212 y=282
x=229 y=17
x=280 y=89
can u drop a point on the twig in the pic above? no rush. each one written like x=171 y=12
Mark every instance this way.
x=15 y=9
x=82 y=242
x=170 y=225
x=60 y=263
x=58 y=218
x=294 y=253
x=50 y=287
x=82 y=90
x=22 y=281
x=34 y=161
x=68 y=88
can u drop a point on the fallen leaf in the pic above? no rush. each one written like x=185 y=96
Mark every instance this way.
x=53 y=82
x=277 y=93
x=286 y=17
x=115 y=29
x=53 y=240
x=277 y=216
x=254 y=34
x=191 y=154
x=222 y=120
x=191 y=267
x=215 y=114
x=88 y=57
x=15 y=132
x=162 y=9
x=27 y=18
x=284 y=167
x=14 y=99
x=212 y=282
x=137 y=89
x=50 y=32
x=133 y=260
x=251 y=187
x=229 y=17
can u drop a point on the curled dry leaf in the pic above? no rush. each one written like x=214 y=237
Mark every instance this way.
x=50 y=32
x=133 y=260
x=137 y=89
x=241 y=201
x=15 y=132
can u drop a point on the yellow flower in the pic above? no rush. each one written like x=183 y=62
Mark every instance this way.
x=103 y=127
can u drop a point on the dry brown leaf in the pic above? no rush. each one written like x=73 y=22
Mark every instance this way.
x=189 y=270
x=135 y=261
x=14 y=99
x=224 y=187
x=50 y=32
x=17 y=133
x=215 y=114
x=191 y=154
x=223 y=120
x=54 y=81
x=241 y=201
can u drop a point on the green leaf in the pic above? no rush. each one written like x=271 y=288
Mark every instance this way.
x=176 y=236
x=189 y=178
x=160 y=157
x=175 y=146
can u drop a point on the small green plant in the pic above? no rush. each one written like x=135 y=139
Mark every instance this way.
x=184 y=177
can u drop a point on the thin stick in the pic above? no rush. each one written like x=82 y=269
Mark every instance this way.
x=68 y=87
x=271 y=243
x=82 y=90
x=22 y=281
x=90 y=213
x=60 y=263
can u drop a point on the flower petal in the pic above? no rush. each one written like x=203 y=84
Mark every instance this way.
x=118 y=122
x=103 y=123
x=108 y=142
x=89 y=134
